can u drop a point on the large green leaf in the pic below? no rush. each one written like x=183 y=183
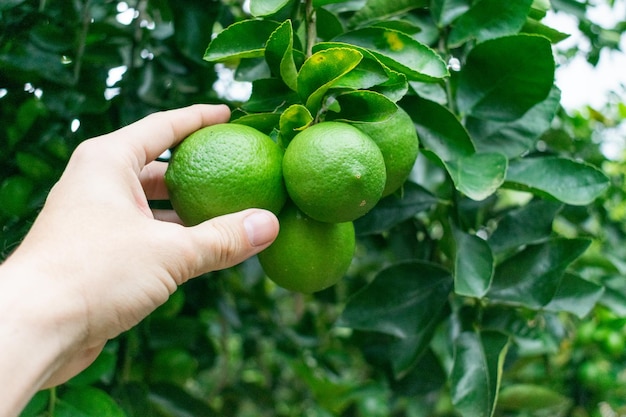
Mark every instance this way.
x=479 y=175
x=438 y=129
x=531 y=277
x=516 y=137
x=569 y=181
x=400 y=301
x=245 y=39
x=445 y=11
x=362 y=106
x=292 y=121
x=504 y=77
x=321 y=70
x=489 y=19
x=473 y=265
x=375 y=10
x=528 y=224
x=395 y=209
x=279 y=54
x=260 y=8
x=477 y=372
x=533 y=398
x=87 y=402
x=575 y=295
x=399 y=52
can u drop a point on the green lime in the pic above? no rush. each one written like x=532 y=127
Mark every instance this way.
x=222 y=169
x=334 y=172
x=397 y=140
x=308 y=255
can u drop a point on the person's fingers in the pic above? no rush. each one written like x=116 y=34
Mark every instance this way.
x=157 y=132
x=151 y=178
x=222 y=242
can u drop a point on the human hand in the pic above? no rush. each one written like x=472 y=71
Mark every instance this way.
x=98 y=260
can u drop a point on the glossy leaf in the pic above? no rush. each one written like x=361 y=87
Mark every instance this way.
x=245 y=39
x=382 y=10
x=400 y=301
x=479 y=175
x=489 y=19
x=260 y=8
x=438 y=129
x=362 y=106
x=279 y=54
x=369 y=73
x=575 y=295
x=473 y=265
x=264 y=122
x=526 y=225
x=87 y=402
x=395 y=209
x=531 y=277
x=477 y=372
x=321 y=70
x=516 y=137
x=504 y=77
x=445 y=12
x=569 y=181
x=399 y=52
x=293 y=120
x=537 y=398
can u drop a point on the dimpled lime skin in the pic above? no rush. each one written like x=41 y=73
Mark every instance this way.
x=334 y=172
x=397 y=139
x=222 y=169
x=308 y=256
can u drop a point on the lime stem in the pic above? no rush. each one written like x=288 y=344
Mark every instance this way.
x=311 y=32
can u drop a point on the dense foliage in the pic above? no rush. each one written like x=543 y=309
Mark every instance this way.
x=491 y=285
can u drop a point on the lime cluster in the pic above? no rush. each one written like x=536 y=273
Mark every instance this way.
x=329 y=174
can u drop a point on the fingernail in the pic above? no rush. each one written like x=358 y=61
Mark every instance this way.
x=260 y=228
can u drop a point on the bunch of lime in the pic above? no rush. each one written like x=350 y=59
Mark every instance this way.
x=330 y=174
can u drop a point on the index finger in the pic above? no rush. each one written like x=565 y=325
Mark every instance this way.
x=156 y=133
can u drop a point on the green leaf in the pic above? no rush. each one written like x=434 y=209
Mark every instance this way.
x=445 y=12
x=292 y=121
x=489 y=19
x=526 y=225
x=87 y=401
x=321 y=70
x=528 y=397
x=395 y=209
x=537 y=28
x=362 y=106
x=245 y=39
x=269 y=95
x=264 y=122
x=516 y=137
x=279 y=54
x=504 y=77
x=479 y=175
x=473 y=265
x=172 y=400
x=571 y=182
x=575 y=295
x=381 y=10
x=438 y=129
x=531 y=277
x=15 y=194
x=260 y=8
x=367 y=74
x=400 y=301
x=477 y=372
x=34 y=166
x=399 y=52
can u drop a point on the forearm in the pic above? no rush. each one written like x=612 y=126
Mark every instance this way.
x=30 y=349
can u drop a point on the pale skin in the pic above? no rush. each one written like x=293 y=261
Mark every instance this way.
x=98 y=260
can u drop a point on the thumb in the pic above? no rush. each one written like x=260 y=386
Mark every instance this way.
x=228 y=240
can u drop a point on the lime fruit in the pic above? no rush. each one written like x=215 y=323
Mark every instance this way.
x=397 y=140
x=308 y=256
x=334 y=172
x=222 y=169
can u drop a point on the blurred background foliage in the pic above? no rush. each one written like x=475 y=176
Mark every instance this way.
x=232 y=344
